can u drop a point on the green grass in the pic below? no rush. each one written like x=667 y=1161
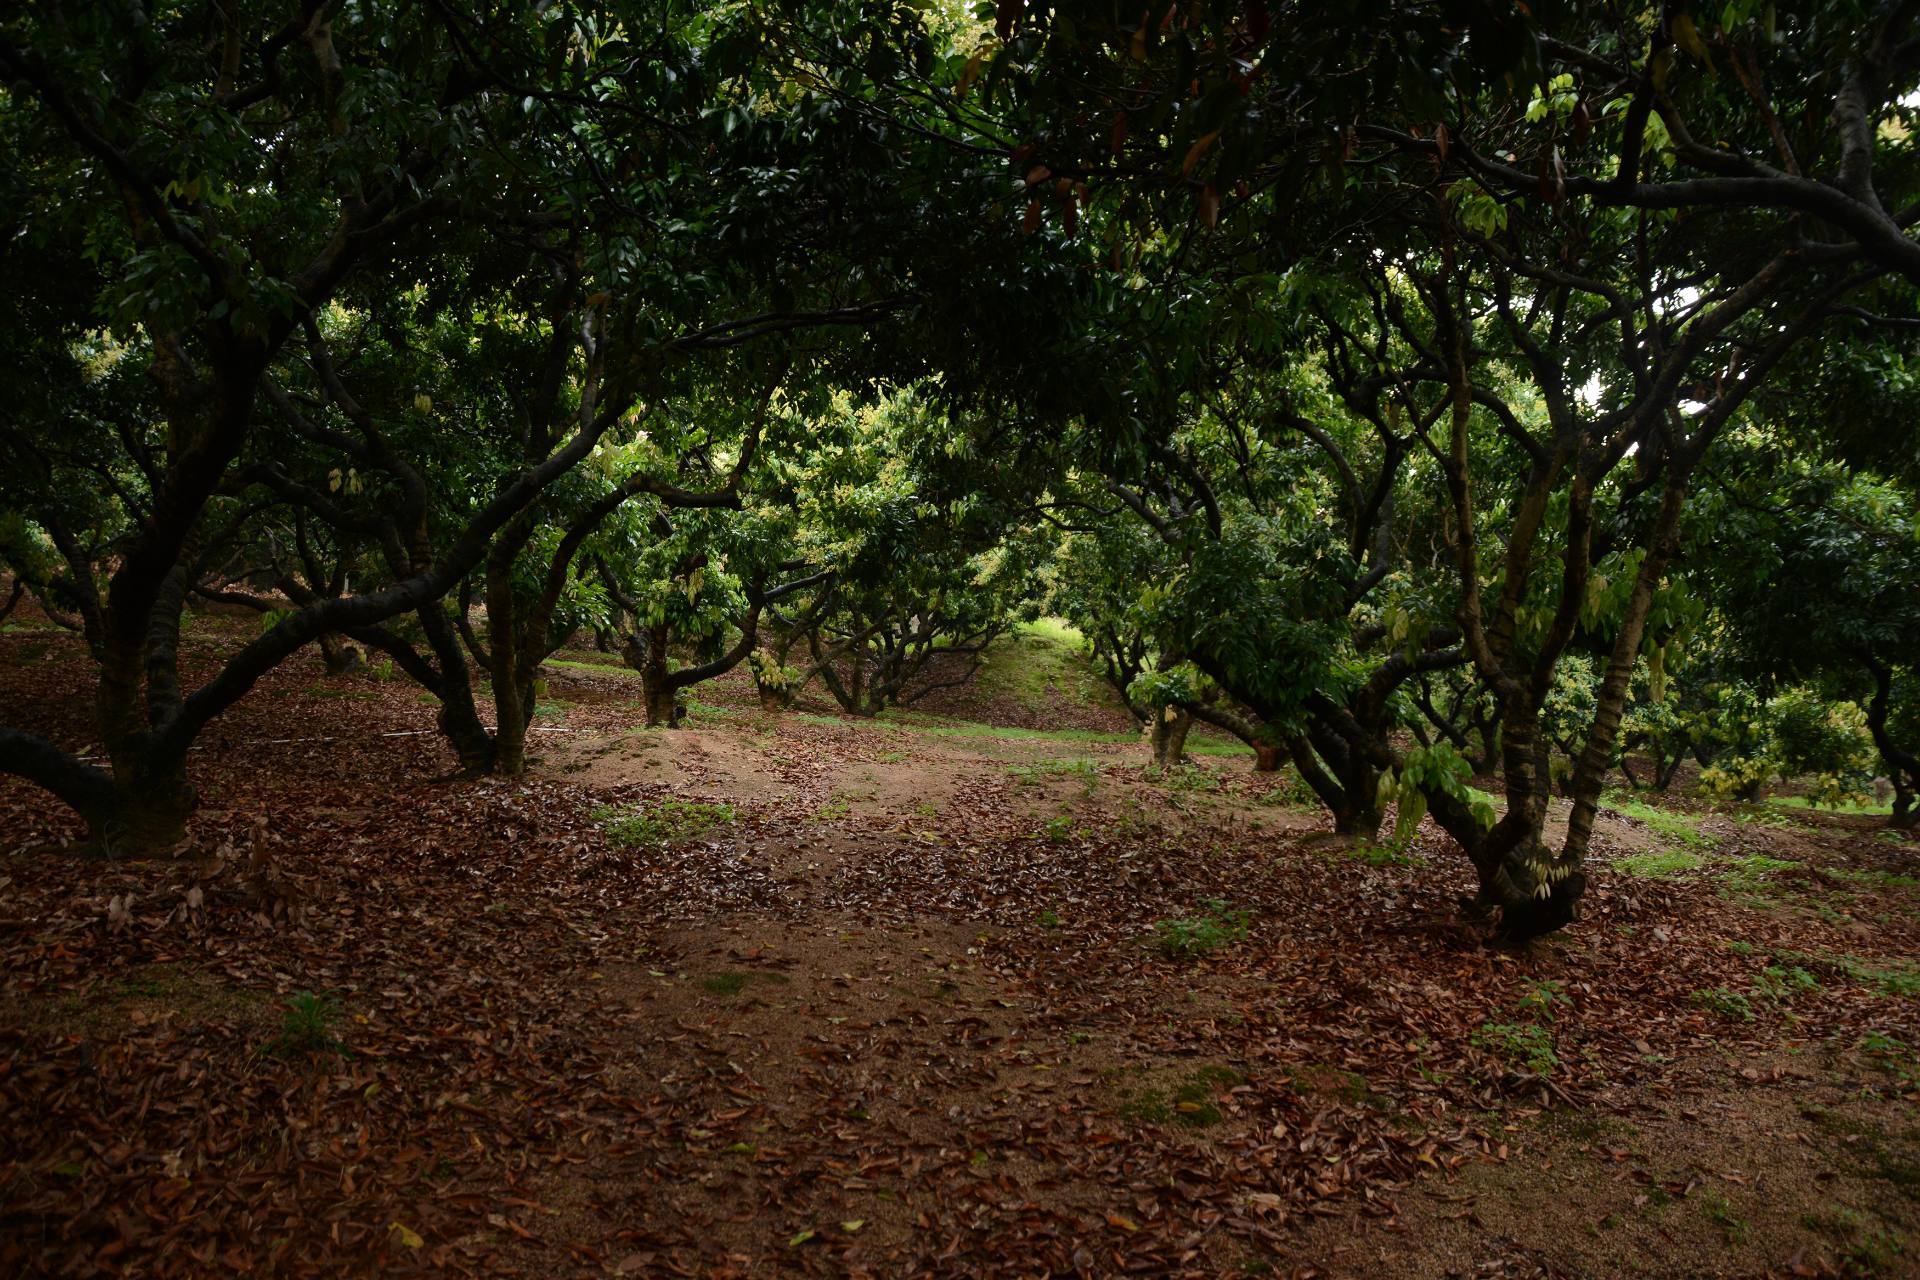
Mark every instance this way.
x=1084 y=770
x=1889 y=976
x=1845 y=806
x=1875 y=879
x=1380 y=855
x=1191 y=1101
x=1726 y=1002
x=1782 y=983
x=1525 y=1044
x=1749 y=874
x=1663 y=865
x=661 y=822
x=1216 y=925
x=1675 y=826
x=598 y=668
x=1038 y=659
x=1719 y=1211
x=306 y=1028
x=926 y=722
x=1055 y=830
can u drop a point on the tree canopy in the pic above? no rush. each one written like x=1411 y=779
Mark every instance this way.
x=1453 y=400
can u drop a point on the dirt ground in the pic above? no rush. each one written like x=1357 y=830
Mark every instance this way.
x=932 y=995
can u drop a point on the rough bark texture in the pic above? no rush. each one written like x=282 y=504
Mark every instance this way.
x=1903 y=766
x=1169 y=736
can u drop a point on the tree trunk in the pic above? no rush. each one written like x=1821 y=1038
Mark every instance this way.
x=153 y=801
x=1354 y=798
x=340 y=656
x=510 y=696
x=646 y=652
x=1535 y=890
x=459 y=718
x=1266 y=758
x=1169 y=735
x=1903 y=767
x=459 y=723
x=1355 y=813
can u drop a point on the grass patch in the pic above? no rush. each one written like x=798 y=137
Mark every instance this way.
x=1749 y=874
x=1188 y=937
x=306 y=1028
x=1193 y=1101
x=609 y=668
x=1381 y=855
x=1875 y=1253
x=926 y=722
x=1085 y=770
x=662 y=822
x=1863 y=1251
x=1725 y=1001
x=1875 y=879
x=1719 y=1211
x=1332 y=1081
x=1781 y=984
x=1056 y=829
x=1891 y=977
x=1659 y=866
x=1674 y=826
x=1040 y=658
x=1845 y=806
x=1893 y=1056
x=1185 y=777
x=1526 y=1044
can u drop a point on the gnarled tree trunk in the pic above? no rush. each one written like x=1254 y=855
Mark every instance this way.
x=1168 y=735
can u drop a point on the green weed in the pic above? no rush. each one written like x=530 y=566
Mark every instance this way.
x=1185 y=777
x=1674 y=826
x=1192 y=1102
x=1875 y=879
x=1726 y=1002
x=1033 y=775
x=1384 y=855
x=1523 y=1043
x=1543 y=996
x=1749 y=874
x=306 y=1027
x=1894 y=1056
x=1054 y=830
x=1782 y=983
x=1893 y=977
x=1845 y=806
x=1663 y=865
x=662 y=822
x=1719 y=1211
x=1217 y=925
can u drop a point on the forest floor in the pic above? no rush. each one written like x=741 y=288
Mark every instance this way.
x=966 y=991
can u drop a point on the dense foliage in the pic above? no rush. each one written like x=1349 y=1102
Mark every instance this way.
x=1459 y=402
